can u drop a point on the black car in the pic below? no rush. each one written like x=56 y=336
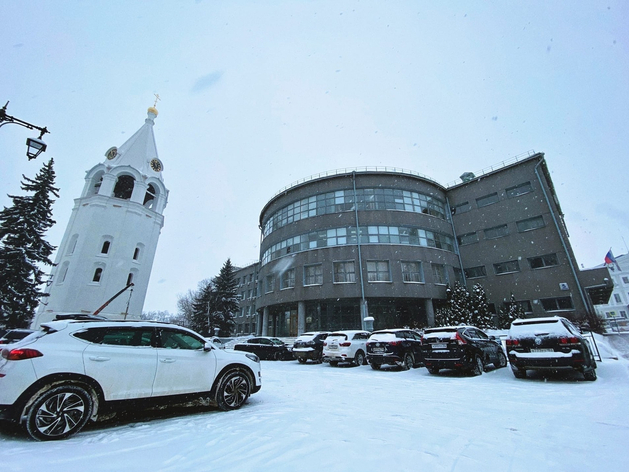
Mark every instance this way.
x=266 y=348
x=552 y=343
x=309 y=346
x=401 y=347
x=465 y=348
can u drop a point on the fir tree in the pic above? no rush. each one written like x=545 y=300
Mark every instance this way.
x=203 y=307
x=512 y=311
x=23 y=250
x=480 y=315
x=226 y=301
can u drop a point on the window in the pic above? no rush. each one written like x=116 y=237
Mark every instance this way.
x=313 y=274
x=458 y=275
x=344 y=272
x=439 y=274
x=149 y=197
x=63 y=272
x=269 y=283
x=625 y=280
x=105 y=248
x=519 y=190
x=412 y=271
x=287 y=279
x=530 y=224
x=72 y=245
x=118 y=336
x=623 y=314
x=130 y=278
x=487 y=200
x=136 y=254
x=461 y=208
x=98 y=273
x=548 y=260
x=475 y=272
x=557 y=304
x=506 y=267
x=617 y=298
x=378 y=271
x=173 y=339
x=468 y=238
x=496 y=232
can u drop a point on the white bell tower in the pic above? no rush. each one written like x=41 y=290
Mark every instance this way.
x=112 y=235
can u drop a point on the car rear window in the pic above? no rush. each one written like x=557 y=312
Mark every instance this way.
x=537 y=328
x=306 y=337
x=440 y=334
x=382 y=336
x=337 y=335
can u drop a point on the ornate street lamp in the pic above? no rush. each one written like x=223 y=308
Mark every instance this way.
x=35 y=146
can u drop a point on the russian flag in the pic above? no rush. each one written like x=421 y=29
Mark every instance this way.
x=610 y=259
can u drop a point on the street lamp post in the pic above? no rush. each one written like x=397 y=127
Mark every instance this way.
x=35 y=146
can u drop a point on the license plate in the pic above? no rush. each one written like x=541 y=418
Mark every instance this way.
x=542 y=350
x=378 y=349
x=334 y=347
x=439 y=346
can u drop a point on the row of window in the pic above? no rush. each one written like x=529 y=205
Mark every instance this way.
x=538 y=262
x=99 y=270
x=501 y=231
x=105 y=247
x=548 y=304
x=343 y=200
x=345 y=272
x=368 y=235
x=491 y=198
x=123 y=189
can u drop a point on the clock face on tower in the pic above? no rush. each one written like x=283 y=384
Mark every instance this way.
x=156 y=165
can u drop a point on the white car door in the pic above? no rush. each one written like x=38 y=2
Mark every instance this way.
x=183 y=366
x=122 y=360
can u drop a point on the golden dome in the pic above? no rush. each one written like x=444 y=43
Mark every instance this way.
x=153 y=110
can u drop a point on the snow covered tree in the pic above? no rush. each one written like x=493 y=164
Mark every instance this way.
x=480 y=314
x=512 y=311
x=203 y=306
x=23 y=250
x=226 y=301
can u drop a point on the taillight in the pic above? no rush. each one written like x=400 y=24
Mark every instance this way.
x=325 y=343
x=395 y=343
x=20 y=354
x=512 y=342
x=346 y=344
x=459 y=339
x=572 y=340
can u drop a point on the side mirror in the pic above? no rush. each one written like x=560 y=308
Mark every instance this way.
x=208 y=347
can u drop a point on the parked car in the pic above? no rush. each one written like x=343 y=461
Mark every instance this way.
x=14 y=335
x=71 y=372
x=346 y=346
x=266 y=348
x=309 y=346
x=401 y=347
x=464 y=348
x=548 y=344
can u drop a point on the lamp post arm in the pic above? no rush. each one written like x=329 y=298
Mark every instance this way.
x=8 y=119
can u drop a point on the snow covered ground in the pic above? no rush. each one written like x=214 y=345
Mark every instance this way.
x=319 y=418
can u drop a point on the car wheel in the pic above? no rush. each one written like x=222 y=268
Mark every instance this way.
x=59 y=412
x=502 y=359
x=334 y=363
x=478 y=367
x=233 y=390
x=518 y=373
x=277 y=356
x=375 y=366
x=301 y=360
x=359 y=359
x=433 y=370
x=589 y=374
x=408 y=361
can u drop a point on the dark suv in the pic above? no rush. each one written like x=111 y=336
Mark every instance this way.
x=464 y=348
x=548 y=343
x=309 y=346
x=401 y=347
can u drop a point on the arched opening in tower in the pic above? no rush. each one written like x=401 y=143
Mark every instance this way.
x=124 y=187
x=149 y=197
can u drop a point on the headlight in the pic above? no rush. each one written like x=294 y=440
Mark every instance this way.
x=253 y=357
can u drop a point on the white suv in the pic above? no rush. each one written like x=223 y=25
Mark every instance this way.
x=345 y=346
x=57 y=379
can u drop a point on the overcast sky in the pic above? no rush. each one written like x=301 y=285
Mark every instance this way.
x=258 y=94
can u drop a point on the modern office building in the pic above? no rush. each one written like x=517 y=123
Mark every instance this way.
x=615 y=313
x=384 y=243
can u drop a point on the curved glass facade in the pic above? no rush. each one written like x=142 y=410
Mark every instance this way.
x=346 y=236
x=343 y=200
